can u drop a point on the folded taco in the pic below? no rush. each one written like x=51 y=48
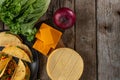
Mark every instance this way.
x=9 y=70
x=26 y=49
x=17 y=52
x=7 y=38
x=4 y=60
x=22 y=71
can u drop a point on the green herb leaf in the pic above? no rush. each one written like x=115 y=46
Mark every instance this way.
x=21 y=15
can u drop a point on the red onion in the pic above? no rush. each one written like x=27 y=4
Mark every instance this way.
x=64 y=18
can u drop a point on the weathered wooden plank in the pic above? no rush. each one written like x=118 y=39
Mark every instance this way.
x=86 y=37
x=108 y=39
x=1 y=25
x=6 y=27
x=68 y=36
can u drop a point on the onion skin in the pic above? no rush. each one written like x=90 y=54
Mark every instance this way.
x=64 y=18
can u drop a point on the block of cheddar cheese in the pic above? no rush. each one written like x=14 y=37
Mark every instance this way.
x=56 y=37
x=49 y=35
x=38 y=35
x=39 y=46
x=47 y=38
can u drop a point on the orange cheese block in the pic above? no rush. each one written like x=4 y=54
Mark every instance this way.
x=46 y=36
x=39 y=46
x=56 y=37
x=49 y=35
x=38 y=35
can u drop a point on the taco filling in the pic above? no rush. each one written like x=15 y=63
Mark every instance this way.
x=9 y=70
x=4 y=60
x=3 y=56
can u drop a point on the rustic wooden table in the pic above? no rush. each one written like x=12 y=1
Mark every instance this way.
x=95 y=36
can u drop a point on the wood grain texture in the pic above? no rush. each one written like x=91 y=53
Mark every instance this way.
x=86 y=36
x=1 y=25
x=6 y=27
x=108 y=39
x=68 y=35
x=96 y=36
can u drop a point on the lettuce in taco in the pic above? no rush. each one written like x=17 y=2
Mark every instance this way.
x=4 y=60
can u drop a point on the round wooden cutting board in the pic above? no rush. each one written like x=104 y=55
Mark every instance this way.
x=64 y=64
